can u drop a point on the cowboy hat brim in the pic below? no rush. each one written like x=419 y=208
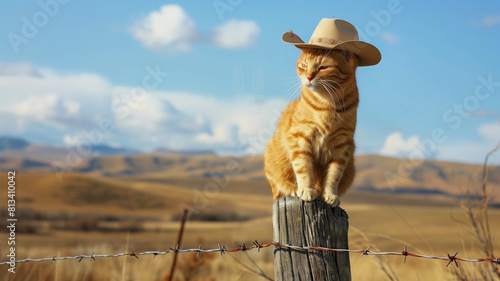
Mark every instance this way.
x=366 y=52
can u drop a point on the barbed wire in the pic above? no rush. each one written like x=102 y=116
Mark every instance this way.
x=256 y=245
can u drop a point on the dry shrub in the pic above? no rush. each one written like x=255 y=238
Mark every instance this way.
x=475 y=207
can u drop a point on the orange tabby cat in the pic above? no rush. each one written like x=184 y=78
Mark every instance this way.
x=312 y=152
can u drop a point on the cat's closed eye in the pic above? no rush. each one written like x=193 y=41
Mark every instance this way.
x=323 y=67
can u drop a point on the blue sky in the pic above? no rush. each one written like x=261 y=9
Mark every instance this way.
x=213 y=75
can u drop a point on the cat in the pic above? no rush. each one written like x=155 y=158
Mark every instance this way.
x=311 y=154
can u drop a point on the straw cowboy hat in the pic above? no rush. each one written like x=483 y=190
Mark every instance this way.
x=337 y=34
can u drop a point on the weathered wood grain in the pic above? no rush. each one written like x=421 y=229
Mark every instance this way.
x=315 y=223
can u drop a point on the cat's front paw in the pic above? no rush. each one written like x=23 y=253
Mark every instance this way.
x=307 y=194
x=331 y=199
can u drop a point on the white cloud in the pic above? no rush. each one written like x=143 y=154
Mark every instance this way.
x=452 y=150
x=154 y=114
x=63 y=108
x=66 y=108
x=226 y=126
x=222 y=134
x=45 y=101
x=390 y=38
x=169 y=29
x=490 y=132
x=71 y=140
x=20 y=85
x=396 y=146
x=236 y=34
x=50 y=109
x=18 y=69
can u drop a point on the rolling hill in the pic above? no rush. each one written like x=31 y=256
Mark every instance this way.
x=374 y=173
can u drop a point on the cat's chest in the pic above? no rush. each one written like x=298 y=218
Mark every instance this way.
x=323 y=143
x=321 y=133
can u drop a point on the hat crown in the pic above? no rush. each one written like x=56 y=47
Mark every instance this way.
x=336 y=29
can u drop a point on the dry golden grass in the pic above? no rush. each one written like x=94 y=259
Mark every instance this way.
x=432 y=231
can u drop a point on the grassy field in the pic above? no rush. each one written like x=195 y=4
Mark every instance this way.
x=91 y=212
x=424 y=230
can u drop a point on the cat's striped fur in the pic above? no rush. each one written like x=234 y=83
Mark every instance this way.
x=312 y=152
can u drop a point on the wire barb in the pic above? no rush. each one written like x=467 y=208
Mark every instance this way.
x=453 y=259
x=405 y=253
x=367 y=251
x=199 y=250
x=256 y=243
x=221 y=249
x=134 y=255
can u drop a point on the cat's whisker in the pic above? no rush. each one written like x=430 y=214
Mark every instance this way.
x=330 y=80
x=340 y=93
x=299 y=83
x=327 y=88
x=336 y=93
x=291 y=92
x=331 y=87
x=343 y=91
x=295 y=92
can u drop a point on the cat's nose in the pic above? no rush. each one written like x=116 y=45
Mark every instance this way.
x=310 y=77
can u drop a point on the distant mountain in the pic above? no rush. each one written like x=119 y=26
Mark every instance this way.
x=183 y=152
x=10 y=143
x=16 y=147
x=110 y=150
x=385 y=174
x=23 y=164
x=20 y=147
x=374 y=173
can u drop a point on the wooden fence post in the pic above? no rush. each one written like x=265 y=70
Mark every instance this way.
x=315 y=223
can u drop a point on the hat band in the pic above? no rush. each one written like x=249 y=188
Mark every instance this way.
x=324 y=40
